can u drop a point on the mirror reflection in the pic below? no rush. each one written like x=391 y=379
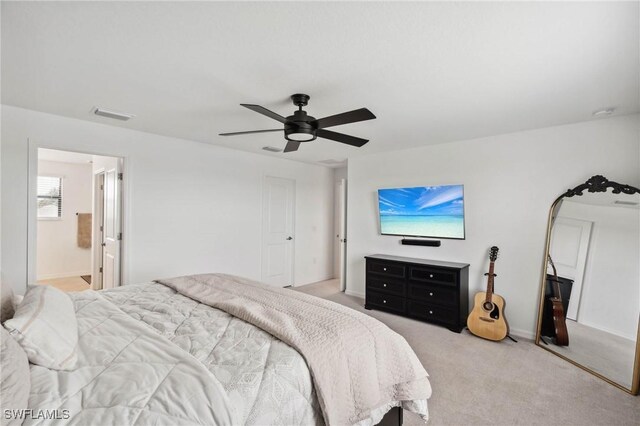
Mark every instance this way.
x=591 y=300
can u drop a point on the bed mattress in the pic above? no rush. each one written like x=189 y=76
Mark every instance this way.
x=147 y=354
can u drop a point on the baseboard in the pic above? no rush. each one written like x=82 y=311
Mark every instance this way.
x=354 y=293
x=311 y=282
x=607 y=330
x=62 y=275
x=523 y=334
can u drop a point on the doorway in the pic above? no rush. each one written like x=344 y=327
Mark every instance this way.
x=76 y=204
x=570 y=246
x=278 y=227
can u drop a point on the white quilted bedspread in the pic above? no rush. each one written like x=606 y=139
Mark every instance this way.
x=127 y=374
x=266 y=381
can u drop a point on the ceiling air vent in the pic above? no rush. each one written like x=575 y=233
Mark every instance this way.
x=625 y=203
x=112 y=114
x=271 y=149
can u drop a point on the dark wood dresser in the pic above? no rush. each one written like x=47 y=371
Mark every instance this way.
x=429 y=290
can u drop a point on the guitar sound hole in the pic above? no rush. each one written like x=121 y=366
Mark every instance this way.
x=493 y=310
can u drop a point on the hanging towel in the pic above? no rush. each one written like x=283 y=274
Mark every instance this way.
x=84 y=230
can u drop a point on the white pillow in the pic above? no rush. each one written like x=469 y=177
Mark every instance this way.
x=45 y=325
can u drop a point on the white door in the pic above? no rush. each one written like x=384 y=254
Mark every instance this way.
x=111 y=227
x=569 y=249
x=277 y=231
x=341 y=232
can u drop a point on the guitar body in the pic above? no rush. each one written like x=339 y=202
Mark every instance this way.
x=487 y=320
x=562 y=334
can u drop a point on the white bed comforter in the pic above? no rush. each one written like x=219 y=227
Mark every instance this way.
x=126 y=374
x=266 y=381
x=360 y=367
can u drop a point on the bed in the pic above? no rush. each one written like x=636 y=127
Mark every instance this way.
x=217 y=349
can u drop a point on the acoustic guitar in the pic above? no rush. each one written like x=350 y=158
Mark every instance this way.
x=559 y=318
x=487 y=319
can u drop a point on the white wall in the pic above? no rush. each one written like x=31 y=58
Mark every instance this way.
x=510 y=182
x=189 y=207
x=339 y=173
x=610 y=299
x=58 y=251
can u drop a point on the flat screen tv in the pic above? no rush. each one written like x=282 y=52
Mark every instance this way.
x=423 y=211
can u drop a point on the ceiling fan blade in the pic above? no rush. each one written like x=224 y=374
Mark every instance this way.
x=250 y=131
x=354 y=116
x=341 y=137
x=262 y=110
x=292 y=146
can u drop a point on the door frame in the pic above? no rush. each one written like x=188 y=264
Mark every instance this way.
x=97 y=237
x=293 y=226
x=586 y=227
x=32 y=195
x=340 y=245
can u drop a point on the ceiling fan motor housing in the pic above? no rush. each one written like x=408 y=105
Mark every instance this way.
x=300 y=127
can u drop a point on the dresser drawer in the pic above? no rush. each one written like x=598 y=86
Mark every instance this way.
x=386 y=285
x=433 y=312
x=433 y=294
x=389 y=269
x=428 y=275
x=386 y=301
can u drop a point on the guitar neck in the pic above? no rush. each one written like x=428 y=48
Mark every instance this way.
x=490 y=282
x=556 y=281
x=556 y=289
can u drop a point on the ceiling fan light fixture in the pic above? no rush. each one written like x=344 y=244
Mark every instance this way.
x=299 y=136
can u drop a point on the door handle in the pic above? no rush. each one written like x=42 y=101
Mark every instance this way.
x=104 y=244
x=289 y=238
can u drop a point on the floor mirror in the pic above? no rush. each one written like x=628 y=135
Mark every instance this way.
x=589 y=307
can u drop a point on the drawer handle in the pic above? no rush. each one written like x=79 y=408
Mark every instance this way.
x=430 y=275
x=384 y=301
x=430 y=312
x=384 y=285
x=430 y=294
x=384 y=269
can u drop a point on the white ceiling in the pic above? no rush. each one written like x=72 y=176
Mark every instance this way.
x=431 y=72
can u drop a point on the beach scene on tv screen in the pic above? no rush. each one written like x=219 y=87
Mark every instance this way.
x=424 y=211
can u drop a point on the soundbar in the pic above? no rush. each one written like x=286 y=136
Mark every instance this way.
x=429 y=243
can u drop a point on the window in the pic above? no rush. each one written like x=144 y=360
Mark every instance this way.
x=49 y=197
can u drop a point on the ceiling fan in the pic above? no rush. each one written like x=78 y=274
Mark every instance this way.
x=301 y=127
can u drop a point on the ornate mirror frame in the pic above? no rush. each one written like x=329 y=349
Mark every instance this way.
x=596 y=183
